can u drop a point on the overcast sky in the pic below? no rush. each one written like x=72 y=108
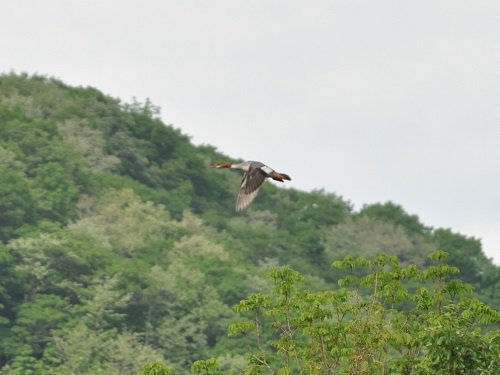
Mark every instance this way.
x=373 y=100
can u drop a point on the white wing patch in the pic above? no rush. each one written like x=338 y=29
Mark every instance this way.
x=266 y=169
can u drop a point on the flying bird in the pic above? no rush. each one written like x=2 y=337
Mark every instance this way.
x=253 y=178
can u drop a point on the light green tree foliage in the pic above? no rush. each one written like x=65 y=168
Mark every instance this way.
x=33 y=262
x=37 y=97
x=9 y=161
x=89 y=142
x=366 y=237
x=156 y=369
x=56 y=274
x=187 y=314
x=105 y=308
x=96 y=343
x=184 y=314
x=85 y=351
x=232 y=364
x=207 y=367
x=434 y=330
x=197 y=246
x=61 y=262
x=77 y=349
x=216 y=254
x=25 y=103
x=122 y=220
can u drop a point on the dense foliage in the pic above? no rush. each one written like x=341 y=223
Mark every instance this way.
x=121 y=252
x=379 y=323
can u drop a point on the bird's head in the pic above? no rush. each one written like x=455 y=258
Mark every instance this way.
x=220 y=165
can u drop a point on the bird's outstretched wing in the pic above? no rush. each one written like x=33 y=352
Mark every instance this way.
x=250 y=186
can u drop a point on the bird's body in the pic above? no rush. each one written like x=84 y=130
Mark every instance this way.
x=253 y=178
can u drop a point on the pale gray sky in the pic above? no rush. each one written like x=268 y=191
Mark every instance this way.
x=373 y=100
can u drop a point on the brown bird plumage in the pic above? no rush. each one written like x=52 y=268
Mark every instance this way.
x=253 y=178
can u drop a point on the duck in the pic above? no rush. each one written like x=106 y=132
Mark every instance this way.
x=253 y=178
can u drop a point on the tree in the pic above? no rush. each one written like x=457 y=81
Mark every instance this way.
x=119 y=247
x=56 y=193
x=90 y=143
x=28 y=337
x=465 y=253
x=182 y=315
x=122 y=220
x=395 y=214
x=366 y=237
x=377 y=326
x=16 y=203
x=156 y=369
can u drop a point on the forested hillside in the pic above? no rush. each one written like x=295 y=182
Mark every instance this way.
x=120 y=248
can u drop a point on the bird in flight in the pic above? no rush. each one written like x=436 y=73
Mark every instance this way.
x=253 y=178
